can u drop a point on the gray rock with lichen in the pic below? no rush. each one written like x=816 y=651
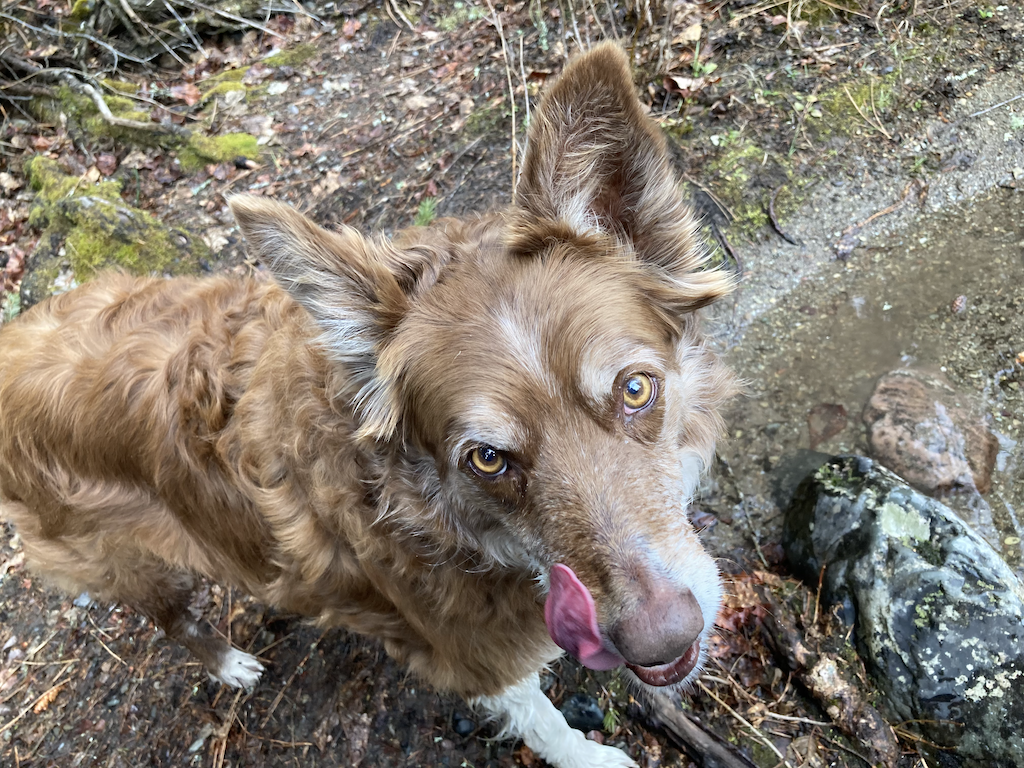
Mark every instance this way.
x=939 y=615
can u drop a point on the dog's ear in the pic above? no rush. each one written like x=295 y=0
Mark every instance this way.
x=346 y=282
x=595 y=161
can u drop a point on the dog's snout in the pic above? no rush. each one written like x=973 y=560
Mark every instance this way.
x=667 y=621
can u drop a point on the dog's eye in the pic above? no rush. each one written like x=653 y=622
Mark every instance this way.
x=638 y=392
x=487 y=461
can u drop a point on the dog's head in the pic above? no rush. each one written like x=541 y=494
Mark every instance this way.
x=538 y=375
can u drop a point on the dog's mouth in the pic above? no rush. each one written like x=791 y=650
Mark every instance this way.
x=571 y=618
x=671 y=673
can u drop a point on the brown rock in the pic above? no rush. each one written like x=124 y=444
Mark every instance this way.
x=922 y=429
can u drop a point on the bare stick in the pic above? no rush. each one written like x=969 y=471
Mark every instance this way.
x=511 y=90
x=702 y=745
x=122 y=122
x=756 y=731
x=996 y=106
x=775 y=221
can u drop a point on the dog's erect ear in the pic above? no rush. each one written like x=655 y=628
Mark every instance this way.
x=347 y=284
x=596 y=161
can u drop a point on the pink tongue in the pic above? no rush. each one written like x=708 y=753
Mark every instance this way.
x=572 y=621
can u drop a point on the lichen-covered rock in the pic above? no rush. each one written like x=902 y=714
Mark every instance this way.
x=933 y=437
x=939 y=615
x=88 y=227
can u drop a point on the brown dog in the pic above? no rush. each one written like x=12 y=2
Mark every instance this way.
x=468 y=442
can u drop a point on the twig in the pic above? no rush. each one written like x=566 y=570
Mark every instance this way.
x=122 y=122
x=728 y=250
x=233 y=17
x=775 y=222
x=878 y=127
x=394 y=4
x=107 y=649
x=291 y=678
x=185 y=28
x=152 y=32
x=996 y=106
x=757 y=733
x=702 y=745
x=714 y=198
x=511 y=90
x=82 y=36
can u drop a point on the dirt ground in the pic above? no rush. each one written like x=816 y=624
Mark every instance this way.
x=379 y=116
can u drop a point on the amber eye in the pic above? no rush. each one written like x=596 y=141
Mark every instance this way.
x=638 y=392
x=487 y=461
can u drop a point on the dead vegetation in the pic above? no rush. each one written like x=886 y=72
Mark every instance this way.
x=380 y=116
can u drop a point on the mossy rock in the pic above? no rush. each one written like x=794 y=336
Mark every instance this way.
x=292 y=57
x=202 y=150
x=88 y=227
x=194 y=151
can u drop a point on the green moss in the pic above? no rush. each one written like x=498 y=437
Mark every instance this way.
x=733 y=170
x=461 y=15
x=222 y=88
x=82 y=9
x=292 y=57
x=121 y=86
x=484 y=120
x=51 y=184
x=82 y=110
x=228 y=75
x=850 y=108
x=88 y=227
x=202 y=150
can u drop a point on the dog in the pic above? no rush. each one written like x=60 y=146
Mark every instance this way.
x=475 y=442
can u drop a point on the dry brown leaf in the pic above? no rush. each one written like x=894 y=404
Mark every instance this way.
x=187 y=92
x=689 y=35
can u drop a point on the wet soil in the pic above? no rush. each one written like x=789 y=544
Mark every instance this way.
x=381 y=118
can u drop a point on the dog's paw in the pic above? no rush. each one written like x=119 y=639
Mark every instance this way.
x=238 y=669
x=594 y=755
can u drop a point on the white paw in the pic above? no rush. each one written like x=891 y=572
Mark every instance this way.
x=238 y=669
x=594 y=755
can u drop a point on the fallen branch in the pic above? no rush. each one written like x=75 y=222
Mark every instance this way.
x=71 y=79
x=704 y=747
x=828 y=681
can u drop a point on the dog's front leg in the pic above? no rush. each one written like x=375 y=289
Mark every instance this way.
x=530 y=715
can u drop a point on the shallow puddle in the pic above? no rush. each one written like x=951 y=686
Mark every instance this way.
x=946 y=296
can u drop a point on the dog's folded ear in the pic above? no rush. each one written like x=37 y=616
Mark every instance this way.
x=595 y=161
x=347 y=283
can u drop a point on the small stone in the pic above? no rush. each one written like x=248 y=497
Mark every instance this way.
x=463 y=725
x=933 y=437
x=583 y=713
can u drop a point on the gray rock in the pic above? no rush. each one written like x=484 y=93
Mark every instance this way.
x=583 y=713
x=939 y=615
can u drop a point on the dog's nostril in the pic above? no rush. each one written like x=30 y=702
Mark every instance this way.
x=661 y=628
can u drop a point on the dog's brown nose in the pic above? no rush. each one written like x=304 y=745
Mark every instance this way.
x=661 y=628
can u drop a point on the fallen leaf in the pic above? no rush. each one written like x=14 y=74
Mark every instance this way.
x=419 y=101
x=106 y=163
x=684 y=85
x=16 y=560
x=689 y=35
x=350 y=27
x=10 y=183
x=136 y=160
x=187 y=92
